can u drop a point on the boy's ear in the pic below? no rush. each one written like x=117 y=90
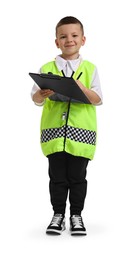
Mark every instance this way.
x=83 y=40
x=56 y=42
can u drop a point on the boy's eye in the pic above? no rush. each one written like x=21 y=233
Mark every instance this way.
x=62 y=37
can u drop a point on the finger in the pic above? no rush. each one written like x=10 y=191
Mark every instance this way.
x=42 y=91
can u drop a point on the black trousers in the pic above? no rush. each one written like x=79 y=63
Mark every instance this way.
x=67 y=176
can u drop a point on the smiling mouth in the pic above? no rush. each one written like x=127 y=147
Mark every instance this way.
x=69 y=46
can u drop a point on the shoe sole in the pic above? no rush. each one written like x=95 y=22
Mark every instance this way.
x=78 y=233
x=54 y=231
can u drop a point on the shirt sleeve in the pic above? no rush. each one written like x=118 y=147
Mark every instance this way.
x=35 y=88
x=96 y=87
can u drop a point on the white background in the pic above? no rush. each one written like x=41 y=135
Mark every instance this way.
x=27 y=36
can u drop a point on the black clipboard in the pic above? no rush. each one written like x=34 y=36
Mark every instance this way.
x=63 y=85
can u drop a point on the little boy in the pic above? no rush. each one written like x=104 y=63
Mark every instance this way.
x=69 y=127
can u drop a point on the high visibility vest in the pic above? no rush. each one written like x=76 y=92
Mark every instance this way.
x=69 y=126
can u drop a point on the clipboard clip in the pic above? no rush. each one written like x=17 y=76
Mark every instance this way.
x=50 y=76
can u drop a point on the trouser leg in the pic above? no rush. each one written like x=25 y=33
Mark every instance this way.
x=76 y=172
x=58 y=184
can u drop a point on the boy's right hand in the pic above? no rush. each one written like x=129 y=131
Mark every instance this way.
x=41 y=94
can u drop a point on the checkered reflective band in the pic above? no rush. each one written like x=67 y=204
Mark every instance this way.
x=75 y=134
x=81 y=135
x=52 y=133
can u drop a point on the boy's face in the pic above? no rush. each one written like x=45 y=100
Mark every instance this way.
x=69 y=39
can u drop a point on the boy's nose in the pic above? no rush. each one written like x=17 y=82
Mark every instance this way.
x=69 y=39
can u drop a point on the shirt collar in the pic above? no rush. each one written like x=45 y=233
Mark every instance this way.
x=61 y=63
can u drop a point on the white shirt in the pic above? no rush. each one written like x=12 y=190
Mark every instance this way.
x=68 y=66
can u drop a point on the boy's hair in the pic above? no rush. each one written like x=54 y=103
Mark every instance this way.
x=69 y=20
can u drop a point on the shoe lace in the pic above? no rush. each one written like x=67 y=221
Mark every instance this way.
x=77 y=220
x=56 y=219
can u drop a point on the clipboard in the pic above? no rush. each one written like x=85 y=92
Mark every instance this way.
x=62 y=85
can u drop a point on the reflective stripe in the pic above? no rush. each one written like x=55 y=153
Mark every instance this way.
x=75 y=134
x=81 y=135
x=52 y=133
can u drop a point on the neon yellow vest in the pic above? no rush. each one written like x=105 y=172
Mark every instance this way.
x=75 y=133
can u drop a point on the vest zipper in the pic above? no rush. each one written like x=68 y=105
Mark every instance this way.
x=67 y=111
x=66 y=123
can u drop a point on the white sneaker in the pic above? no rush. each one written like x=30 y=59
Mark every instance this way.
x=77 y=225
x=57 y=225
